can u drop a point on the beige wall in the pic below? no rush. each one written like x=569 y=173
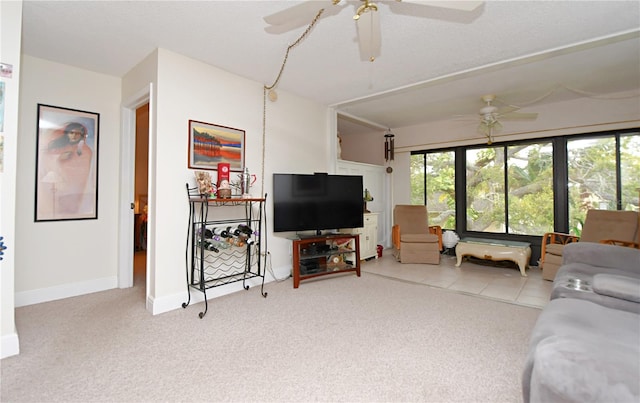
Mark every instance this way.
x=295 y=141
x=73 y=257
x=77 y=257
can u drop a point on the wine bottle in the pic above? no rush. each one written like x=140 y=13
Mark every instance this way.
x=207 y=245
x=245 y=229
x=205 y=232
x=219 y=243
x=222 y=232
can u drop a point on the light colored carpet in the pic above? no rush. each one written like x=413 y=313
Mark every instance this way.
x=340 y=338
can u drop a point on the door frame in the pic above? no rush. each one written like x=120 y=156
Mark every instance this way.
x=127 y=183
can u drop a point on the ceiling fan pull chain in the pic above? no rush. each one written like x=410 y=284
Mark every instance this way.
x=273 y=95
x=294 y=44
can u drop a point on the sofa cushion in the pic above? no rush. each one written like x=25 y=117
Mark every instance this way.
x=610 y=224
x=586 y=273
x=554 y=249
x=412 y=219
x=622 y=287
x=614 y=333
x=589 y=369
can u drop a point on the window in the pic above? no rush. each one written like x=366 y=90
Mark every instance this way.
x=630 y=171
x=418 y=178
x=485 y=190
x=435 y=172
x=591 y=164
x=528 y=187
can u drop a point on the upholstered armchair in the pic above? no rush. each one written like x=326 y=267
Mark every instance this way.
x=600 y=226
x=414 y=241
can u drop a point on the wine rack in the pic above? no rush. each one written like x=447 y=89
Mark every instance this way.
x=221 y=251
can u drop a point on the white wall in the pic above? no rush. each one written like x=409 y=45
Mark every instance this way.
x=77 y=257
x=10 y=38
x=378 y=182
x=365 y=147
x=136 y=90
x=58 y=259
x=296 y=141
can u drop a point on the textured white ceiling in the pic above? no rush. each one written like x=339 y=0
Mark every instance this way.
x=456 y=56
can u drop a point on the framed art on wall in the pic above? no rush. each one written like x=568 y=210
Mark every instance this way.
x=211 y=144
x=66 y=164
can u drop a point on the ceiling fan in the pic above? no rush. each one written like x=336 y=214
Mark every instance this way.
x=490 y=117
x=366 y=17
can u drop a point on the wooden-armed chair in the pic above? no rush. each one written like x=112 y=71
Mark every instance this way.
x=414 y=241
x=600 y=226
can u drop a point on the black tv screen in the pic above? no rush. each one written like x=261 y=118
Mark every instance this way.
x=317 y=202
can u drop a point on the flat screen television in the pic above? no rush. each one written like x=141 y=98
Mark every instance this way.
x=317 y=202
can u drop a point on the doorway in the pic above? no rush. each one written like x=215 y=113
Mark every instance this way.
x=141 y=184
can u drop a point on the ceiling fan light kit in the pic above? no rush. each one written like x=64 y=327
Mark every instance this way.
x=365 y=8
x=366 y=18
x=368 y=26
x=490 y=116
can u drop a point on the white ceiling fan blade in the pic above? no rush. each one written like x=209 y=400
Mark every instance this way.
x=301 y=15
x=483 y=128
x=486 y=128
x=300 y=12
x=369 y=35
x=453 y=5
x=467 y=118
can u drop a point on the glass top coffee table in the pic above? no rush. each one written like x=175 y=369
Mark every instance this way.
x=495 y=250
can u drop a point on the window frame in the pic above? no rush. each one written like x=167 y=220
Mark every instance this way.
x=560 y=181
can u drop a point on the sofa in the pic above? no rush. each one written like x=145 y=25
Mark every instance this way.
x=585 y=345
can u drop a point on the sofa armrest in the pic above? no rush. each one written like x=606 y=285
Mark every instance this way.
x=395 y=236
x=602 y=255
x=628 y=244
x=555 y=238
x=437 y=230
x=616 y=286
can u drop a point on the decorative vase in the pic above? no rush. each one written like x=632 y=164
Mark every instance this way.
x=450 y=239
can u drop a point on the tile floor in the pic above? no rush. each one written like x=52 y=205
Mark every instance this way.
x=499 y=283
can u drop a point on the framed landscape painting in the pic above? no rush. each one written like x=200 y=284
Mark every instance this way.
x=211 y=144
x=66 y=164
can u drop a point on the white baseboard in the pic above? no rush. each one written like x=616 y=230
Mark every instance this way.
x=10 y=345
x=31 y=297
x=169 y=303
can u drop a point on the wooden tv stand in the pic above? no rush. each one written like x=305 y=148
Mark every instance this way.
x=320 y=255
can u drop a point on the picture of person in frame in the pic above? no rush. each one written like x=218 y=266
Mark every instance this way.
x=66 y=173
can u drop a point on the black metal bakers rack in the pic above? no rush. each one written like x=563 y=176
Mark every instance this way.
x=213 y=260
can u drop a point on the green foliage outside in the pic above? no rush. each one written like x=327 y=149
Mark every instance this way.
x=592 y=176
x=526 y=192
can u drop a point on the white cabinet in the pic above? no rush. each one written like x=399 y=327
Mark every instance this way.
x=368 y=236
